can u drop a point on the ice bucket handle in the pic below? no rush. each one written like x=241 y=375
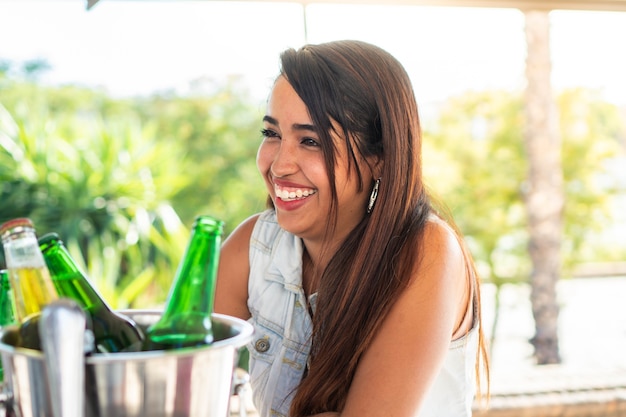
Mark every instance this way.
x=62 y=332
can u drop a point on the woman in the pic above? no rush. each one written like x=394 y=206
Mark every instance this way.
x=364 y=301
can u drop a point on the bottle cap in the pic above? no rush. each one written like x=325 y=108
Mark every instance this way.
x=18 y=222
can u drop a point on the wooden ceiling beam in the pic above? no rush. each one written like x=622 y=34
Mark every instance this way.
x=589 y=5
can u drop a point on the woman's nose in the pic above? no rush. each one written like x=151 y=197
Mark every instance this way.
x=285 y=160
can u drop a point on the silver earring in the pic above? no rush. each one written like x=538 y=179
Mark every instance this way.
x=373 y=196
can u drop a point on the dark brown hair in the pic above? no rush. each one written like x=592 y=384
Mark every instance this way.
x=368 y=95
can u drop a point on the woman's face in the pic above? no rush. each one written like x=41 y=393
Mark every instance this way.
x=292 y=163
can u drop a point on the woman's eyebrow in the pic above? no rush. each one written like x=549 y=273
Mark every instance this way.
x=270 y=119
x=299 y=126
x=295 y=126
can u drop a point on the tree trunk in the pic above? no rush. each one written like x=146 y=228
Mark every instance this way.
x=544 y=191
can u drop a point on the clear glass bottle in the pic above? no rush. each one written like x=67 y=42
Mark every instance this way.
x=31 y=285
x=113 y=332
x=186 y=319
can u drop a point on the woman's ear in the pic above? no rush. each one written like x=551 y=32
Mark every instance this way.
x=376 y=165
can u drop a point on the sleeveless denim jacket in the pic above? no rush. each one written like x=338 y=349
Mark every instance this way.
x=281 y=344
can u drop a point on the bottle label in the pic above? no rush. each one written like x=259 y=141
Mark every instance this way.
x=23 y=254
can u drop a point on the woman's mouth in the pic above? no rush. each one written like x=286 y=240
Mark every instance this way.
x=291 y=194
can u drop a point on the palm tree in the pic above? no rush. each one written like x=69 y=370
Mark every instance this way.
x=543 y=190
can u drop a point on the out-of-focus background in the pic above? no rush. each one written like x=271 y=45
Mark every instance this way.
x=120 y=123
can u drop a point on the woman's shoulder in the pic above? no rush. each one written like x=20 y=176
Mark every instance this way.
x=446 y=262
x=253 y=229
x=440 y=259
x=244 y=230
x=234 y=269
x=440 y=238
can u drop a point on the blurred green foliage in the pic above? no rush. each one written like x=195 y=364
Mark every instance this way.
x=475 y=162
x=219 y=132
x=121 y=180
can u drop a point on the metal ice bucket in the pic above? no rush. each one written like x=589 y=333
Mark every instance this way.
x=193 y=382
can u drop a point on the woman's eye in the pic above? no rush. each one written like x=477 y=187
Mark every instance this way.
x=268 y=133
x=309 y=142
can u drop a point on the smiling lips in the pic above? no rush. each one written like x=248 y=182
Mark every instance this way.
x=287 y=194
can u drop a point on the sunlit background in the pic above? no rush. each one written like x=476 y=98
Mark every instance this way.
x=139 y=48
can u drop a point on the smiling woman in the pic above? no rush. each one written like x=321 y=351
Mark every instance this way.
x=351 y=275
x=292 y=141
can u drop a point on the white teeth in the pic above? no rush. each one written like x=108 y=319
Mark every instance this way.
x=287 y=195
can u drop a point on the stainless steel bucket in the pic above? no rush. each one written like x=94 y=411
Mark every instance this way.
x=192 y=382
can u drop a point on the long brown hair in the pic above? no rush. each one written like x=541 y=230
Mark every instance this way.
x=367 y=93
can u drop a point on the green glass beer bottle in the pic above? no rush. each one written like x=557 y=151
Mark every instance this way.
x=186 y=319
x=7 y=317
x=30 y=280
x=113 y=332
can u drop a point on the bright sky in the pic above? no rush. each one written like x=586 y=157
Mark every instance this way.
x=137 y=47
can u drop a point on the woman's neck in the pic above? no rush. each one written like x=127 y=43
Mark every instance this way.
x=315 y=257
x=310 y=276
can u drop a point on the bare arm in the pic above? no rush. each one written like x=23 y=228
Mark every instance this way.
x=231 y=295
x=396 y=372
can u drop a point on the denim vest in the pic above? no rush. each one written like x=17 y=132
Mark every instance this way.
x=281 y=344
